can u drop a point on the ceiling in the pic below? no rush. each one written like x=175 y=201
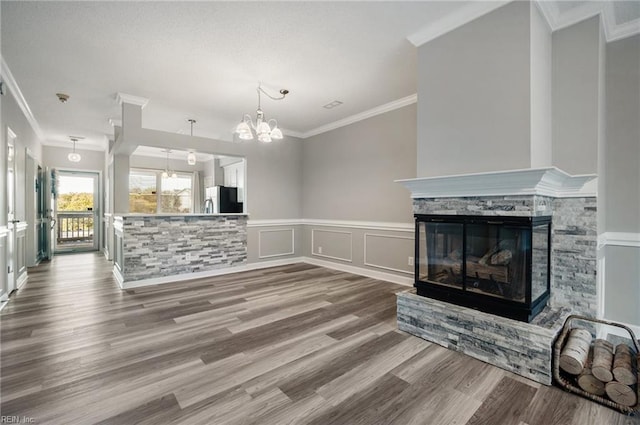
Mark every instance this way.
x=203 y=60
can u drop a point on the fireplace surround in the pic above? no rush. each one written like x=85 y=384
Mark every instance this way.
x=519 y=346
x=499 y=265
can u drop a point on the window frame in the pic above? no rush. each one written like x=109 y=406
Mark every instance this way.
x=158 y=174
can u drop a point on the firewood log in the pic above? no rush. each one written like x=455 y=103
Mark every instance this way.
x=623 y=370
x=587 y=381
x=621 y=393
x=602 y=360
x=576 y=351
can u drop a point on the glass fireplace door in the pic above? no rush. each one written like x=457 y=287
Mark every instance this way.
x=441 y=261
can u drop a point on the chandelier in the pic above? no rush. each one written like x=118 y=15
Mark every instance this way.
x=74 y=156
x=265 y=130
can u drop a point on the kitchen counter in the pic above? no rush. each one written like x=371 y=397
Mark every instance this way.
x=153 y=248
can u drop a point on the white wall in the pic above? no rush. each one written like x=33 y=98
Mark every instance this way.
x=541 y=75
x=576 y=58
x=474 y=96
x=56 y=157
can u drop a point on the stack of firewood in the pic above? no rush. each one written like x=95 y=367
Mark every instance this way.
x=600 y=368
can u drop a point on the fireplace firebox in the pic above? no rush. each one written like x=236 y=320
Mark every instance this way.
x=499 y=265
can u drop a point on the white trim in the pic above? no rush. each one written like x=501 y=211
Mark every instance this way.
x=370 y=225
x=621 y=31
x=350 y=259
x=118 y=276
x=3 y=302
x=115 y=122
x=21 y=227
x=22 y=279
x=586 y=10
x=270 y=223
x=600 y=283
x=293 y=243
x=13 y=87
x=619 y=331
x=203 y=274
x=131 y=99
x=387 y=107
x=351 y=224
x=388 y=277
x=380 y=266
x=401 y=280
x=453 y=20
x=619 y=239
x=3 y=231
x=549 y=181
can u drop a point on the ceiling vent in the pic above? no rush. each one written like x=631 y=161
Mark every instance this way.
x=332 y=105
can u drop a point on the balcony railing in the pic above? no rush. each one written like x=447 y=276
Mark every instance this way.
x=75 y=226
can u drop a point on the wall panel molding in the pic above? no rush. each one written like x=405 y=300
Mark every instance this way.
x=318 y=254
x=282 y=254
x=380 y=266
x=352 y=224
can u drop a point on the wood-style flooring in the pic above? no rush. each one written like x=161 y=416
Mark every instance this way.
x=295 y=344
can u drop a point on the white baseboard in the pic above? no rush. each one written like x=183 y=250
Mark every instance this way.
x=389 y=277
x=200 y=275
x=621 y=332
x=22 y=279
x=3 y=304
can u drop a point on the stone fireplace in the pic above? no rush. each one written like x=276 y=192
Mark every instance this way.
x=464 y=259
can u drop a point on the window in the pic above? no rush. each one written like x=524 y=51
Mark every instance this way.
x=151 y=193
x=176 y=194
x=142 y=191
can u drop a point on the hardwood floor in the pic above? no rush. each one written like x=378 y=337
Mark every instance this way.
x=288 y=345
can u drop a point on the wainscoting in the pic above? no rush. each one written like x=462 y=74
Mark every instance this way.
x=619 y=278
x=376 y=249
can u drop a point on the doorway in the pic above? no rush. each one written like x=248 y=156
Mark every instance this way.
x=77 y=221
x=12 y=221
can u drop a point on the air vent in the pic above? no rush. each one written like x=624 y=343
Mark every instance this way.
x=332 y=105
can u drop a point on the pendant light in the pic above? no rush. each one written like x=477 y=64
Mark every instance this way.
x=191 y=156
x=265 y=130
x=166 y=173
x=74 y=156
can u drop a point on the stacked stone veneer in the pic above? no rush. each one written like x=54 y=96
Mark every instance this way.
x=160 y=246
x=519 y=347
x=523 y=348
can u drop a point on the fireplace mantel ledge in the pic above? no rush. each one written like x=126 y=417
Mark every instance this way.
x=550 y=181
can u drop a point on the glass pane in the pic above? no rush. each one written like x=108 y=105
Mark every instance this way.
x=540 y=253
x=176 y=194
x=441 y=253
x=496 y=262
x=142 y=192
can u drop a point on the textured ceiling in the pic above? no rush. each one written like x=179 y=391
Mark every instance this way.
x=203 y=60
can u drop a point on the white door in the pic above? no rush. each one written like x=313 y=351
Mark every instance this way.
x=12 y=242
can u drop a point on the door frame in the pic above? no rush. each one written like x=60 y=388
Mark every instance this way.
x=97 y=207
x=12 y=221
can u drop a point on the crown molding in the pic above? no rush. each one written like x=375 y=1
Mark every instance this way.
x=454 y=20
x=131 y=99
x=612 y=30
x=13 y=87
x=550 y=181
x=387 y=107
x=115 y=122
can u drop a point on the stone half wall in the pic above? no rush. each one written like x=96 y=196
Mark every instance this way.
x=159 y=246
x=573 y=238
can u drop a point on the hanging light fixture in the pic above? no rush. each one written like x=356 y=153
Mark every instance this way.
x=74 y=156
x=166 y=173
x=191 y=156
x=265 y=130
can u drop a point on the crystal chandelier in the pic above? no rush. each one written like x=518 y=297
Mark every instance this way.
x=265 y=130
x=74 y=156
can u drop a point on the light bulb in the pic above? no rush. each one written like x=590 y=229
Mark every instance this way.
x=245 y=136
x=74 y=157
x=264 y=137
x=243 y=128
x=191 y=158
x=263 y=128
x=276 y=133
x=165 y=175
x=174 y=175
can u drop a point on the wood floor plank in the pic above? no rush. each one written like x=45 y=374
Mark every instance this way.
x=293 y=344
